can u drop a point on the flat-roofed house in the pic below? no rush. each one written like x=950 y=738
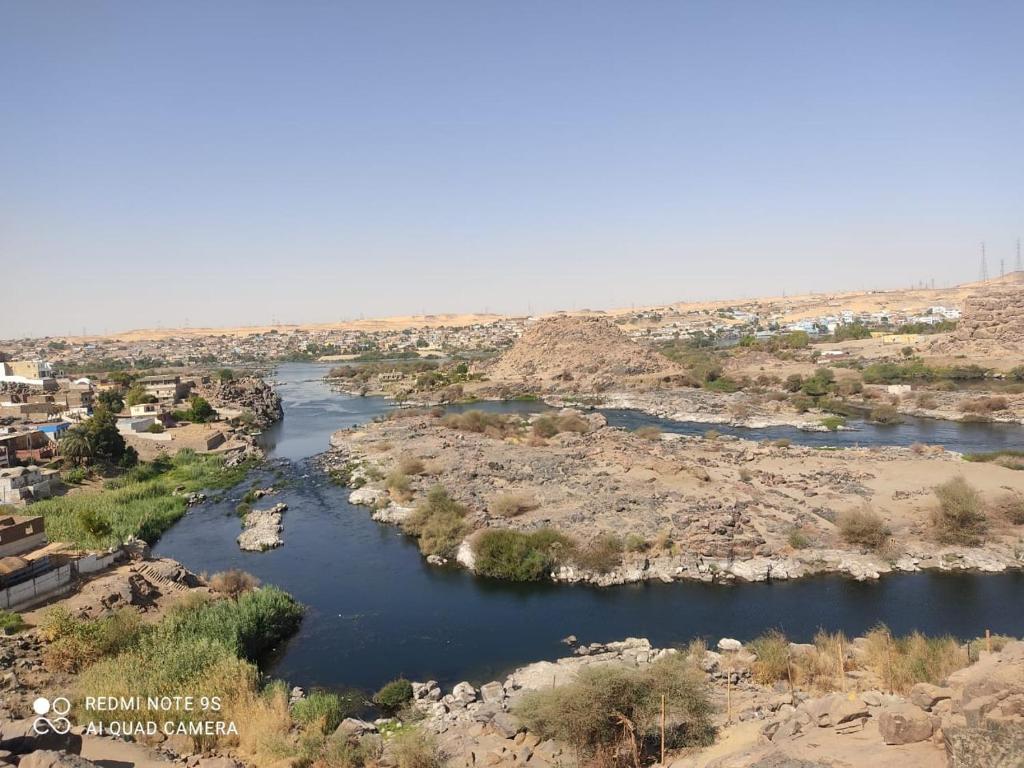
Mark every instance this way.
x=21 y=485
x=164 y=387
x=20 y=534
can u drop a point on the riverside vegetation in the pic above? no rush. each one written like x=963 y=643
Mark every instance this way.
x=143 y=501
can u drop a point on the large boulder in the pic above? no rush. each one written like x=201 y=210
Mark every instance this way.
x=48 y=758
x=904 y=724
x=926 y=695
x=17 y=736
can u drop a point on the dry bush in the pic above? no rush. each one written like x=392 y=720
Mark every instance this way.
x=648 y=433
x=773 y=660
x=233 y=583
x=398 y=485
x=984 y=405
x=410 y=465
x=820 y=669
x=603 y=554
x=862 y=527
x=926 y=400
x=900 y=662
x=512 y=504
x=588 y=713
x=746 y=475
x=433 y=467
x=416 y=748
x=1010 y=507
x=493 y=425
x=267 y=724
x=960 y=516
x=663 y=541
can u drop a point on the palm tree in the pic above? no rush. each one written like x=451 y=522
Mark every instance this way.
x=75 y=447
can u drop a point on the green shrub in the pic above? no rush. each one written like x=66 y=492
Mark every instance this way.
x=586 y=713
x=322 y=710
x=10 y=623
x=438 y=522
x=833 y=423
x=516 y=556
x=394 y=695
x=75 y=475
x=960 y=516
x=885 y=414
x=863 y=528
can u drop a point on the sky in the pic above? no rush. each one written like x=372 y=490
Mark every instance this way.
x=167 y=164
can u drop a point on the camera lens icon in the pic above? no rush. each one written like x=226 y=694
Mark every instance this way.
x=60 y=707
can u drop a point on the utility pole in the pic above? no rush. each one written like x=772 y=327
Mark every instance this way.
x=984 y=265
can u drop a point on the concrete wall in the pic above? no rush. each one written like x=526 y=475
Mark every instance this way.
x=23 y=595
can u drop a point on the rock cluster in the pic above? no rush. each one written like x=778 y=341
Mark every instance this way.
x=991 y=321
x=252 y=394
x=262 y=529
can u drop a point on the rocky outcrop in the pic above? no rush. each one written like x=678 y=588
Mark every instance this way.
x=974 y=720
x=249 y=394
x=581 y=354
x=262 y=529
x=992 y=321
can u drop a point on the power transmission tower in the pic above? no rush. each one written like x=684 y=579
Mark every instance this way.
x=983 y=276
x=1018 y=267
x=1002 y=267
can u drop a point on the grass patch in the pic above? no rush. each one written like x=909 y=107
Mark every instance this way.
x=139 y=503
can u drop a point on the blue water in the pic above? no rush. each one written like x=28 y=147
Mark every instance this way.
x=377 y=610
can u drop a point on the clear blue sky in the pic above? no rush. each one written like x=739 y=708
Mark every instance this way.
x=232 y=162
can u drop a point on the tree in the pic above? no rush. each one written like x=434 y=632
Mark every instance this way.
x=75 y=446
x=200 y=410
x=137 y=395
x=111 y=400
x=225 y=375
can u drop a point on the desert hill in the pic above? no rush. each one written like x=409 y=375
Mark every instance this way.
x=581 y=354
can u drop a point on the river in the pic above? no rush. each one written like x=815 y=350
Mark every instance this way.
x=376 y=610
